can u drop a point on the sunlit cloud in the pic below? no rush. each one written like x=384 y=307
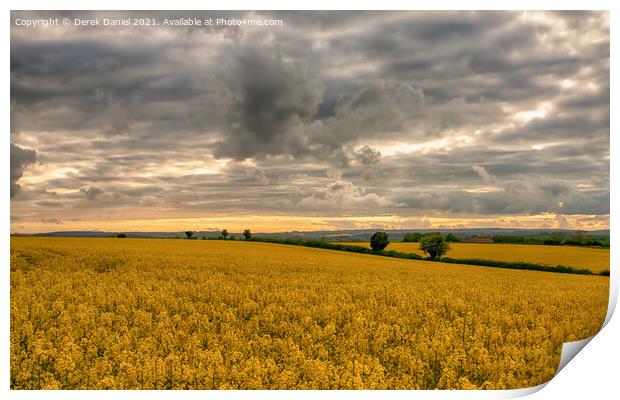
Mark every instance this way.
x=540 y=112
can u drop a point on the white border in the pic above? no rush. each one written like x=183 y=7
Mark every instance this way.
x=592 y=373
x=310 y=5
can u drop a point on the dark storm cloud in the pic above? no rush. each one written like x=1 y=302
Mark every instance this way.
x=106 y=85
x=272 y=99
x=322 y=113
x=275 y=104
x=21 y=158
x=65 y=60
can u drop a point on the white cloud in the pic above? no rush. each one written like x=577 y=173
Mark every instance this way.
x=482 y=172
x=340 y=194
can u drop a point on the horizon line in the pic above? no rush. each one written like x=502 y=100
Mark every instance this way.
x=318 y=230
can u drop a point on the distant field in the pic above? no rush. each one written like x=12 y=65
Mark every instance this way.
x=596 y=260
x=181 y=314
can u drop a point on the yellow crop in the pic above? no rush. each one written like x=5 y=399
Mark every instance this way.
x=595 y=259
x=181 y=314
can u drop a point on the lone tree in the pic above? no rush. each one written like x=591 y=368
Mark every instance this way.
x=189 y=234
x=247 y=234
x=435 y=245
x=224 y=234
x=379 y=241
x=121 y=235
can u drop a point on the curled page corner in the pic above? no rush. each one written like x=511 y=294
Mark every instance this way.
x=516 y=393
x=570 y=350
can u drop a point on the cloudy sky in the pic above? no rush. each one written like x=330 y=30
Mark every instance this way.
x=331 y=120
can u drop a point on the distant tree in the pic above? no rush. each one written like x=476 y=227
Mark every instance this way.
x=451 y=237
x=435 y=245
x=580 y=237
x=499 y=239
x=204 y=238
x=558 y=237
x=189 y=234
x=121 y=235
x=412 y=237
x=247 y=234
x=379 y=241
x=431 y=234
x=224 y=234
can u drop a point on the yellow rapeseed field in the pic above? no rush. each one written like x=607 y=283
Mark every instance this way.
x=595 y=259
x=182 y=314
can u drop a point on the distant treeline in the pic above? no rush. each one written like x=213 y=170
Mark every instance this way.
x=417 y=237
x=553 y=239
x=412 y=256
x=556 y=239
x=519 y=265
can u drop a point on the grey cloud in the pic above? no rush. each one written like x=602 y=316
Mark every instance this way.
x=368 y=155
x=51 y=221
x=272 y=98
x=105 y=86
x=518 y=197
x=386 y=108
x=53 y=204
x=259 y=175
x=598 y=100
x=21 y=158
x=540 y=197
x=557 y=128
x=92 y=193
x=138 y=191
x=381 y=107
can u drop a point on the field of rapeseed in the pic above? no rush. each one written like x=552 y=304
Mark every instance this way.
x=180 y=314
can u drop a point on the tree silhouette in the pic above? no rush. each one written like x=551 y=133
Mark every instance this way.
x=379 y=241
